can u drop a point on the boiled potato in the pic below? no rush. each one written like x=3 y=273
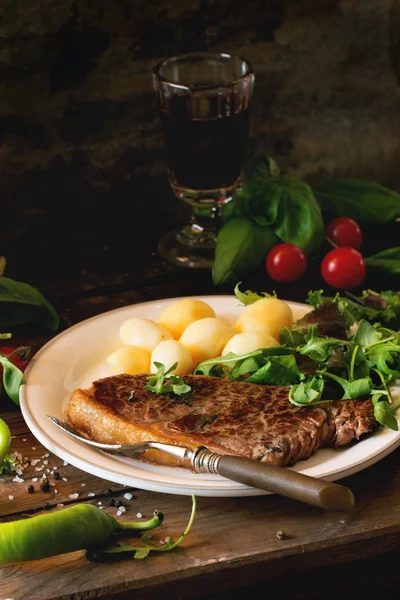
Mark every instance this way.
x=206 y=338
x=143 y=333
x=129 y=359
x=248 y=341
x=267 y=315
x=168 y=353
x=179 y=315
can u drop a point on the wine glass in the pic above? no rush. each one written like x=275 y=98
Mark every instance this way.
x=204 y=102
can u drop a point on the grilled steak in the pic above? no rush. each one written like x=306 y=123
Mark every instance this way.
x=230 y=417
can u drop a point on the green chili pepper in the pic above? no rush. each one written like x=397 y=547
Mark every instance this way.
x=5 y=440
x=76 y=528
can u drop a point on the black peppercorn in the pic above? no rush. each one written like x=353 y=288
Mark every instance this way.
x=30 y=489
x=45 y=486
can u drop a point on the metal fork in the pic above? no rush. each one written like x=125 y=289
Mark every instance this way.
x=264 y=476
x=130 y=450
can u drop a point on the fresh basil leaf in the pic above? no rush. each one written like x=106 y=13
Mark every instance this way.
x=249 y=297
x=12 y=378
x=262 y=166
x=358 y=199
x=21 y=303
x=288 y=205
x=241 y=247
x=387 y=261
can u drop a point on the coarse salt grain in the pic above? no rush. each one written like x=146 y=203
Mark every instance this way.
x=74 y=496
x=24 y=439
x=139 y=515
x=91 y=494
x=64 y=479
x=128 y=496
x=60 y=505
x=18 y=479
x=46 y=455
x=99 y=503
x=56 y=491
x=33 y=447
x=83 y=484
x=11 y=497
x=122 y=508
x=65 y=463
x=34 y=478
x=119 y=513
x=45 y=462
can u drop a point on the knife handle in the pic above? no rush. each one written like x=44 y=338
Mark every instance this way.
x=285 y=482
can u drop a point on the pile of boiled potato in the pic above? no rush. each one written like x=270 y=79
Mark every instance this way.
x=188 y=332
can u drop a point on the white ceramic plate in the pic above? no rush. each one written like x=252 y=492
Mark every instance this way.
x=76 y=357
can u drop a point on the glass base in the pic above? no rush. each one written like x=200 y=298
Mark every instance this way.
x=184 y=250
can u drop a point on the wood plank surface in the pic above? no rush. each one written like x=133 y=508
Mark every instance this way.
x=233 y=541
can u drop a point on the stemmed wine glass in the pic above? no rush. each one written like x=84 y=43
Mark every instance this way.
x=204 y=101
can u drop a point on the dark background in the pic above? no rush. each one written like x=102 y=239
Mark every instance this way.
x=83 y=188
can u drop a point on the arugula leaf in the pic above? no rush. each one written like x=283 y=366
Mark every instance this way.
x=282 y=370
x=249 y=297
x=359 y=388
x=230 y=365
x=176 y=385
x=307 y=392
x=366 y=334
x=359 y=199
x=292 y=338
x=21 y=303
x=241 y=247
x=12 y=378
x=319 y=348
x=382 y=412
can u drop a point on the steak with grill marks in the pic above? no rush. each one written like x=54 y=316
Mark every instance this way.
x=229 y=417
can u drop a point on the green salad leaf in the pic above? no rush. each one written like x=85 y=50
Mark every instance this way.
x=249 y=297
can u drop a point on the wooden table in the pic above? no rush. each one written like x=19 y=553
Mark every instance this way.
x=233 y=548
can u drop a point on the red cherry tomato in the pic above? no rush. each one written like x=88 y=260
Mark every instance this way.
x=286 y=263
x=343 y=268
x=344 y=231
x=16 y=360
